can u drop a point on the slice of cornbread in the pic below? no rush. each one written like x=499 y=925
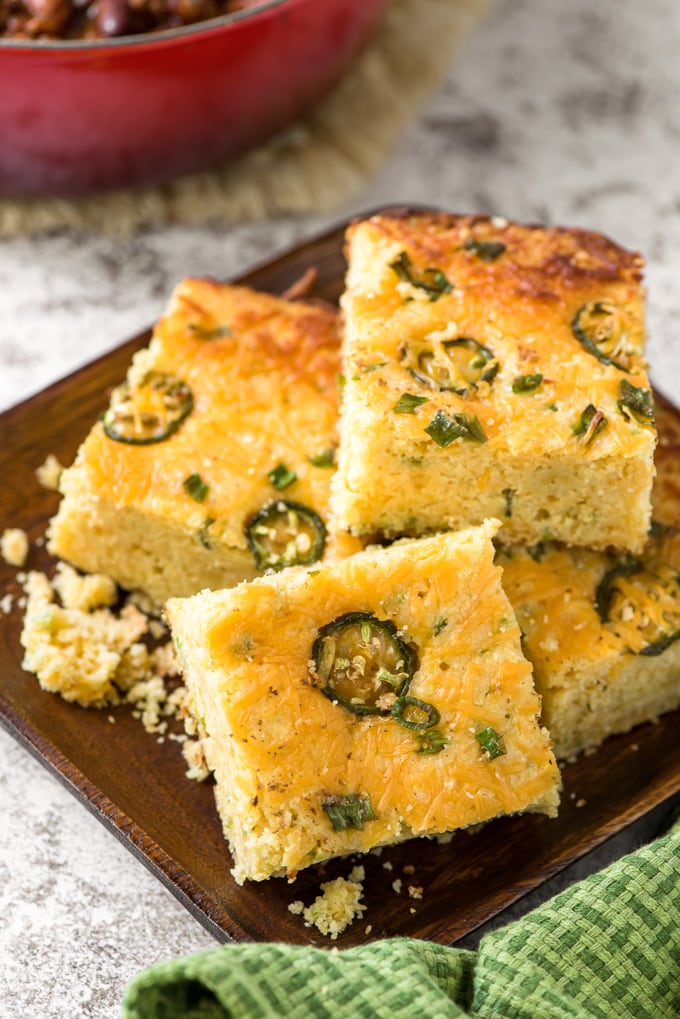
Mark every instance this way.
x=214 y=459
x=364 y=702
x=494 y=369
x=603 y=632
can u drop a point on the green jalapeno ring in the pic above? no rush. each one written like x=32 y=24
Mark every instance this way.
x=403 y=704
x=604 y=597
x=122 y=424
x=280 y=512
x=482 y=367
x=359 y=676
x=585 y=333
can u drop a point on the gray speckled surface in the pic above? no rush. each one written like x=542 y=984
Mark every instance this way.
x=555 y=112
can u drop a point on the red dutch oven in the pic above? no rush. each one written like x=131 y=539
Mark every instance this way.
x=83 y=116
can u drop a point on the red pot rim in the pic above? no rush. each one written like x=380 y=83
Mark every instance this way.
x=166 y=35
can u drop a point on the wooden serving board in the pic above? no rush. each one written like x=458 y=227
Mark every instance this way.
x=137 y=786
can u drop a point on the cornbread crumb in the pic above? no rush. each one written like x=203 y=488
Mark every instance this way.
x=6 y=603
x=580 y=803
x=14 y=546
x=193 y=753
x=83 y=593
x=415 y=891
x=408 y=869
x=335 y=909
x=72 y=652
x=49 y=473
x=90 y=655
x=397 y=885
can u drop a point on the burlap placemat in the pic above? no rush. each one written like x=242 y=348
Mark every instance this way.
x=313 y=166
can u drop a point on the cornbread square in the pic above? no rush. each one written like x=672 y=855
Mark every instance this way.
x=603 y=631
x=494 y=369
x=363 y=702
x=230 y=414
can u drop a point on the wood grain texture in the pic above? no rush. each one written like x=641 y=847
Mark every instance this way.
x=137 y=786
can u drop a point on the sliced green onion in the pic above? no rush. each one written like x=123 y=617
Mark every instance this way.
x=526 y=383
x=326 y=458
x=491 y=742
x=590 y=424
x=486 y=251
x=350 y=811
x=432 y=741
x=636 y=402
x=195 y=487
x=444 y=429
x=408 y=403
x=281 y=476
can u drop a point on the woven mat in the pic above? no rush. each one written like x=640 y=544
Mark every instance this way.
x=319 y=163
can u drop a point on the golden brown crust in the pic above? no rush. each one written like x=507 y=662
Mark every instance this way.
x=551 y=258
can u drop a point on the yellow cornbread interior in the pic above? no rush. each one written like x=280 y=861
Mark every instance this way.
x=263 y=375
x=279 y=746
x=532 y=469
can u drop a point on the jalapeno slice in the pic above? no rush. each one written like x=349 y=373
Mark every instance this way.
x=604 y=329
x=149 y=411
x=431 y=280
x=285 y=533
x=641 y=605
x=414 y=714
x=362 y=663
x=455 y=366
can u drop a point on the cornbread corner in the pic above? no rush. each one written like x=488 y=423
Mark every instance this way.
x=363 y=702
x=213 y=461
x=494 y=369
x=603 y=631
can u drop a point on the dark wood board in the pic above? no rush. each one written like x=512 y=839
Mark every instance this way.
x=138 y=788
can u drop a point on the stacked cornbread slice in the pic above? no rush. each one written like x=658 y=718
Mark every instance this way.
x=494 y=369
x=213 y=461
x=603 y=630
x=364 y=702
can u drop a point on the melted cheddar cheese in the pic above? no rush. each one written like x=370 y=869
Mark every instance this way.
x=280 y=747
x=262 y=374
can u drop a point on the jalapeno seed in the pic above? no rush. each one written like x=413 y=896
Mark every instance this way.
x=149 y=411
x=363 y=663
x=285 y=533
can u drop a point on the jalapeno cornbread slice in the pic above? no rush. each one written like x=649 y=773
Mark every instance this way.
x=363 y=702
x=213 y=460
x=494 y=369
x=603 y=631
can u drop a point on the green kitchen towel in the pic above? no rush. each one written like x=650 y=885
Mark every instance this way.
x=606 y=947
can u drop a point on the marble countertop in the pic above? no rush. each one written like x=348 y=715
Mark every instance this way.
x=561 y=113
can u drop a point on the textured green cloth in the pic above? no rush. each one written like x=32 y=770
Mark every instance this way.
x=607 y=947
